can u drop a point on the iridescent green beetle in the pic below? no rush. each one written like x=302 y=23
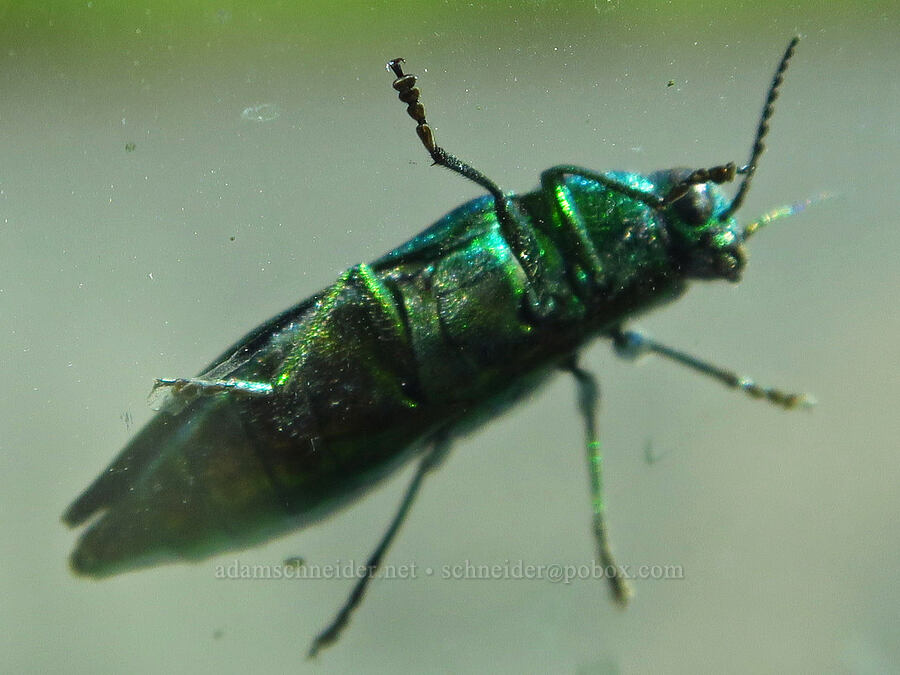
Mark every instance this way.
x=399 y=357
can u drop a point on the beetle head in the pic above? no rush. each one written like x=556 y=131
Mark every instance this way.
x=706 y=244
x=705 y=236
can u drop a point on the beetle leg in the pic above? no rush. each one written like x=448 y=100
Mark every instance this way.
x=553 y=178
x=183 y=390
x=189 y=387
x=514 y=224
x=432 y=459
x=405 y=85
x=582 y=248
x=589 y=403
x=633 y=344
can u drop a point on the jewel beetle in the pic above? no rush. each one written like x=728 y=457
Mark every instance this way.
x=400 y=357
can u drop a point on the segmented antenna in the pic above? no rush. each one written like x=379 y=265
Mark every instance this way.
x=724 y=173
x=409 y=93
x=759 y=146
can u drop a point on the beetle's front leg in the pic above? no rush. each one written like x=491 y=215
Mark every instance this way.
x=589 y=403
x=514 y=224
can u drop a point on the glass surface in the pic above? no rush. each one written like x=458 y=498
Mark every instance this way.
x=172 y=174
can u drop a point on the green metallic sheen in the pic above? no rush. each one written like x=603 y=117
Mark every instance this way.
x=433 y=338
x=402 y=356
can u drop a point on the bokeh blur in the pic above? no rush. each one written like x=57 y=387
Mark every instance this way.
x=174 y=173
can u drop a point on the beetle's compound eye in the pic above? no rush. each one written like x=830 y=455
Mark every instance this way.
x=696 y=206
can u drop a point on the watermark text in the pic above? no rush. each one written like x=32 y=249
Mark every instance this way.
x=464 y=570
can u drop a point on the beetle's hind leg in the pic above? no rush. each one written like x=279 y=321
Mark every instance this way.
x=589 y=403
x=173 y=394
x=432 y=459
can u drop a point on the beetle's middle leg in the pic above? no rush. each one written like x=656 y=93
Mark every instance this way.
x=633 y=344
x=589 y=402
x=431 y=460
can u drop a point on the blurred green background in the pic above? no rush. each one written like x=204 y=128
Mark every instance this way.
x=172 y=174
